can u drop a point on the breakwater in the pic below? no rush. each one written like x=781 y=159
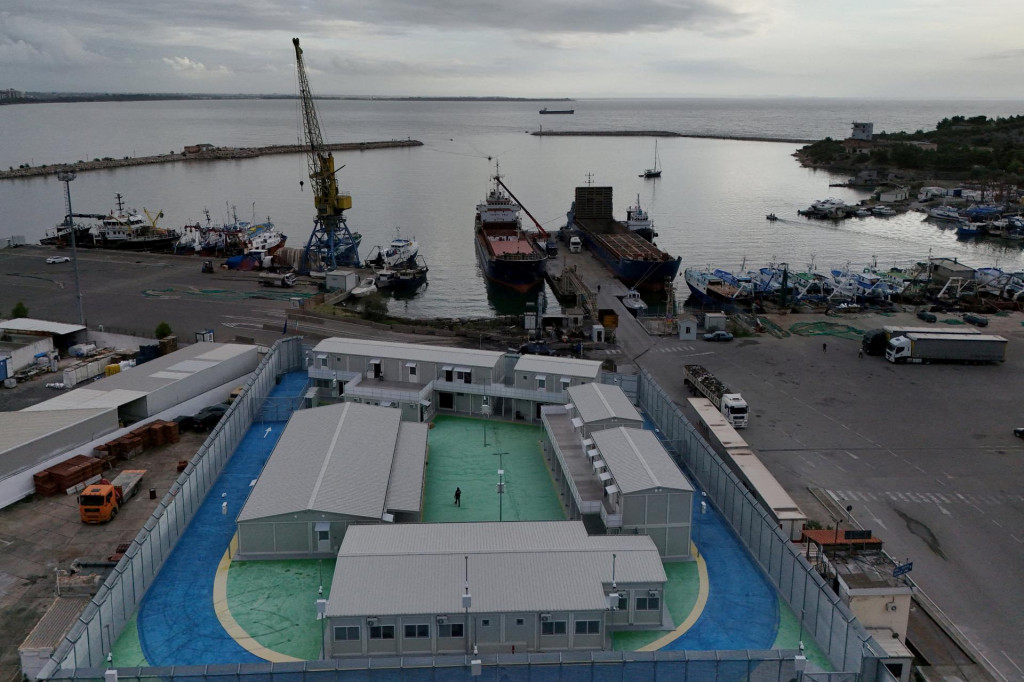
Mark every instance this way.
x=665 y=133
x=206 y=154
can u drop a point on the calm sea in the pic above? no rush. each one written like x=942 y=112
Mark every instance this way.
x=709 y=205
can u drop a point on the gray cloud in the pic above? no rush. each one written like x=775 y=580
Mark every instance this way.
x=705 y=68
x=1000 y=56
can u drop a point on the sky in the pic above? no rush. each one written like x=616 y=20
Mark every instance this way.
x=932 y=49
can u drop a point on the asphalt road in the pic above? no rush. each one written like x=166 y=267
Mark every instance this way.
x=924 y=454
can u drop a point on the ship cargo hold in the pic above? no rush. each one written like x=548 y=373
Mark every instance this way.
x=509 y=255
x=638 y=263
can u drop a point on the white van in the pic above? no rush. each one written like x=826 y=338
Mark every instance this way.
x=575 y=245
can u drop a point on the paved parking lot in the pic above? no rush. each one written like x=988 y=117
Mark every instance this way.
x=924 y=455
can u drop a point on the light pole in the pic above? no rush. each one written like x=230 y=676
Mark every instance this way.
x=501 y=481
x=66 y=176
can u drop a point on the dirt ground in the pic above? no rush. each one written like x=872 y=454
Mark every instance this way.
x=42 y=534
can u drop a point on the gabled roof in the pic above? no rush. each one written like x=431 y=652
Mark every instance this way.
x=595 y=402
x=572 y=367
x=338 y=459
x=513 y=567
x=637 y=461
x=28 y=324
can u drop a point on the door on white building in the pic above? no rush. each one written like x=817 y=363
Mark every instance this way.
x=323 y=537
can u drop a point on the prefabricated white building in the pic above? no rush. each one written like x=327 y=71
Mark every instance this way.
x=533 y=586
x=333 y=466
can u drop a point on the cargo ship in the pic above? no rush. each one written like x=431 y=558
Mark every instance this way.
x=509 y=255
x=636 y=262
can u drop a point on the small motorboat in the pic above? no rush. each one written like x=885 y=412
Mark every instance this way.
x=634 y=304
x=772 y=217
x=367 y=286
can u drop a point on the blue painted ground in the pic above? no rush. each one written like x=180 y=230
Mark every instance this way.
x=742 y=611
x=177 y=623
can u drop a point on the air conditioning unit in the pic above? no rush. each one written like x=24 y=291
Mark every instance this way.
x=545 y=617
x=652 y=593
x=441 y=620
x=891 y=606
x=371 y=621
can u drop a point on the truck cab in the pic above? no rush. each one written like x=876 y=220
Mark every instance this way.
x=575 y=244
x=99 y=502
x=735 y=409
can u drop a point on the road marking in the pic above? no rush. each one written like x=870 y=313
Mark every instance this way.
x=997 y=523
x=1014 y=663
x=944 y=510
x=851 y=454
x=1017 y=538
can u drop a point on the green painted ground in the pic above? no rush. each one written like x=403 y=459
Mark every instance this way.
x=127 y=650
x=463 y=455
x=788 y=637
x=680 y=596
x=275 y=602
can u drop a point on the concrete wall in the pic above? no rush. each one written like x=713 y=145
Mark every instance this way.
x=23 y=348
x=108 y=340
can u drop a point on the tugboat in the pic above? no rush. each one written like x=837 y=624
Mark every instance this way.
x=771 y=217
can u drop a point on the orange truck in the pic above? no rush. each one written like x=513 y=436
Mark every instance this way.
x=101 y=501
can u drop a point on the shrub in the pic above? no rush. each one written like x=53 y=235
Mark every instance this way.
x=19 y=310
x=163 y=330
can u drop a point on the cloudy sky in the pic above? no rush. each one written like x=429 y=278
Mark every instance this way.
x=520 y=48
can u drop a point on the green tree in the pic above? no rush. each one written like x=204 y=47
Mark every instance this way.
x=19 y=310
x=163 y=330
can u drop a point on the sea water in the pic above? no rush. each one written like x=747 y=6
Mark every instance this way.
x=709 y=206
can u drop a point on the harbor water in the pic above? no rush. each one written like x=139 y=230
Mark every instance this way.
x=709 y=206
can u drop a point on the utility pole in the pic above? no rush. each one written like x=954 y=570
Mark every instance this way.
x=66 y=176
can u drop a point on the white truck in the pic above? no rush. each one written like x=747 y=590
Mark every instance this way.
x=278 y=279
x=925 y=348
x=731 y=405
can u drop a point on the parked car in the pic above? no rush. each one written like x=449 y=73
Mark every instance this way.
x=208 y=417
x=976 y=320
x=926 y=316
x=535 y=348
x=58 y=259
x=718 y=336
x=187 y=422
x=1019 y=432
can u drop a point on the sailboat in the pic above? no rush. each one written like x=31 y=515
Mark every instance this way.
x=656 y=171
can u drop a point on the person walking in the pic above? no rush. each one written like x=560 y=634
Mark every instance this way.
x=458 y=497
x=860 y=353
x=824 y=348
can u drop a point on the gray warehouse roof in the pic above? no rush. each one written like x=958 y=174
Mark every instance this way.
x=405 y=489
x=637 y=461
x=410 y=351
x=149 y=377
x=595 y=402
x=338 y=459
x=562 y=366
x=516 y=566
x=20 y=428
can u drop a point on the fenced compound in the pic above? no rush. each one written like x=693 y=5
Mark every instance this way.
x=92 y=637
x=853 y=653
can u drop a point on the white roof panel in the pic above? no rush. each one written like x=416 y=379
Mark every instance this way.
x=595 y=402
x=372 y=348
x=517 y=566
x=86 y=398
x=20 y=428
x=28 y=324
x=573 y=367
x=638 y=461
x=405 y=489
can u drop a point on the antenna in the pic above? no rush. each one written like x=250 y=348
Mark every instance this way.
x=613 y=570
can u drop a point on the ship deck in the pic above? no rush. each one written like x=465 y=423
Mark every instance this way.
x=624 y=244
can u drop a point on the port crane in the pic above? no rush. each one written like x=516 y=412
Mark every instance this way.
x=330 y=243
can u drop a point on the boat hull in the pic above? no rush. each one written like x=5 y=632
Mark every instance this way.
x=521 y=274
x=640 y=274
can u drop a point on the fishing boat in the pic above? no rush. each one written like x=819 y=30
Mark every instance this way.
x=709 y=288
x=545 y=110
x=127 y=230
x=61 y=235
x=397 y=253
x=945 y=213
x=508 y=254
x=639 y=222
x=883 y=211
x=654 y=172
x=633 y=260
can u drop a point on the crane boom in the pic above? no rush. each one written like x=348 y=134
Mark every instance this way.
x=331 y=243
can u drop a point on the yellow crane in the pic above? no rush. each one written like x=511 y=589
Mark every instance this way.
x=331 y=243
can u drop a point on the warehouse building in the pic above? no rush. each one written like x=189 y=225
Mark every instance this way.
x=604 y=463
x=493 y=587
x=334 y=466
x=161 y=384
x=550 y=377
